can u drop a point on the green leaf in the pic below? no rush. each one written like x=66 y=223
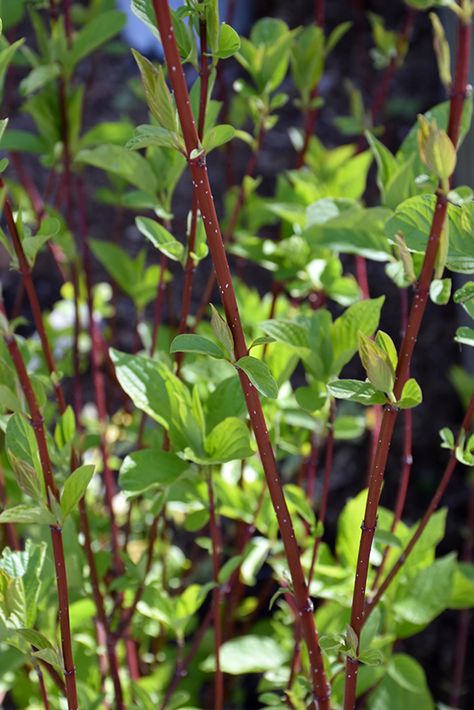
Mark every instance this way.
x=161 y=238
x=146 y=136
x=228 y=568
x=117 y=263
x=412 y=395
x=424 y=595
x=377 y=364
x=75 y=487
x=6 y=57
x=228 y=441
x=436 y=149
x=361 y=317
x=312 y=399
x=440 y=291
x=347 y=228
x=385 y=537
x=22 y=140
x=148 y=468
x=191 y=343
x=51 y=656
x=259 y=375
x=387 y=164
x=143 y=9
x=130 y=166
x=286 y=331
x=65 y=428
x=465 y=336
x=26 y=477
x=156 y=92
x=462 y=592
x=348 y=526
x=22 y=451
x=336 y=35
x=424 y=551
x=413 y=218
x=218 y=136
x=27 y=514
x=447 y=439
x=248 y=654
x=465 y=296
x=298 y=503
x=38 y=77
x=385 y=342
x=157 y=391
x=96 y=31
x=229 y=42
x=26 y=564
x=403 y=686
x=222 y=331
x=34 y=638
x=356 y=391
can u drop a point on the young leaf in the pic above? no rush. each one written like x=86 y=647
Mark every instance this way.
x=27 y=514
x=222 y=331
x=442 y=52
x=229 y=42
x=27 y=477
x=65 y=428
x=447 y=439
x=161 y=238
x=228 y=441
x=191 y=343
x=377 y=364
x=435 y=148
x=116 y=159
x=75 y=487
x=248 y=654
x=218 y=136
x=156 y=92
x=286 y=331
x=356 y=391
x=386 y=343
x=259 y=375
x=411 y=395
x=148 y=468
x=146 y=136
x=465 y=336
x=95 y=32
x=228 y=568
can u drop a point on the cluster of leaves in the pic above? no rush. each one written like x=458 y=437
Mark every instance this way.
x=175 y=435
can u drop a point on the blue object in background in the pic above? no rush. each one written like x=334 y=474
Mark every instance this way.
x=138 y=36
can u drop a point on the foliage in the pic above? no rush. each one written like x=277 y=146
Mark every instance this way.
x=161 y=494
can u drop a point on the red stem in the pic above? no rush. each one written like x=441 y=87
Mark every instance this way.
x=39 y=324
x=229 y=232
x=44 y=694
x=27 y=281
x=443 y=484
x=319 y=12
x=224 y=279
x=407 y=457
x=325 y=490
x=56 y=533
x=99 y=384
x=190 y=263
x=182 y=666
x=406 y=352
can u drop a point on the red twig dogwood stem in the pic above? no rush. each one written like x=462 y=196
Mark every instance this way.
x=219 y=258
